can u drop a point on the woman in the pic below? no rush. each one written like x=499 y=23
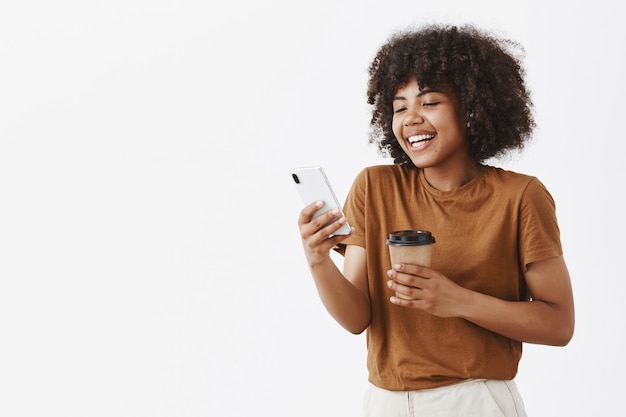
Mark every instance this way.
x=445 y=99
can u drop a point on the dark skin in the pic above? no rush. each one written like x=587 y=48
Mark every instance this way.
x=444 y=156
x=485 y=72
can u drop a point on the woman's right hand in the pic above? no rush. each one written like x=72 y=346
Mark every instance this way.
x=318 y=239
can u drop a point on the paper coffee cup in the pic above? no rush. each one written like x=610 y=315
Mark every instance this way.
x=410 y=247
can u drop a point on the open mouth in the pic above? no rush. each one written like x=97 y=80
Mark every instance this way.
x=419 y=141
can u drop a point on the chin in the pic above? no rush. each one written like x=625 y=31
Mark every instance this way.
x=420 y=163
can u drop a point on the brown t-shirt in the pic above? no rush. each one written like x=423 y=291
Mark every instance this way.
x=487 y=232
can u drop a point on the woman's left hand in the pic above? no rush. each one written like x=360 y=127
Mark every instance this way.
x=420 y=287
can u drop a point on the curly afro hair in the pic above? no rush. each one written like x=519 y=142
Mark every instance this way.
x=485 y=71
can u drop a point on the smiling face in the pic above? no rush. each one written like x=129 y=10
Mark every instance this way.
x=431 y=127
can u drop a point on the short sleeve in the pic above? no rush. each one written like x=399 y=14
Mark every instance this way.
x=539 y=234
x=355 y=212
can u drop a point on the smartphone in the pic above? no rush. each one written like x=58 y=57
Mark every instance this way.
x=313 y=185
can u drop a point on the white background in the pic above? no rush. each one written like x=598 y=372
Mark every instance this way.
x=150 y=263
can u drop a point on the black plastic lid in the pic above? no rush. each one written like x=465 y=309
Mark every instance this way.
x=410 y=238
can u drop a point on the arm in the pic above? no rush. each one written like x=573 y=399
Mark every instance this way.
x=345 y=296
x=547 y=319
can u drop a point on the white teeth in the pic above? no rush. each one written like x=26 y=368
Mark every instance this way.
x=418 y=138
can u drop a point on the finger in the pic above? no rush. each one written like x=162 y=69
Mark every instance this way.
x=333 y=222
x=324 y=227
x=307 y=212
x=403 y=287
x=413 y=269
x=404 y=278
x=413 y=303
x=319 y=222
x=328 y=222
x=403 y=292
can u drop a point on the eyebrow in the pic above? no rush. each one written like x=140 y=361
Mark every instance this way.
x=421 y=93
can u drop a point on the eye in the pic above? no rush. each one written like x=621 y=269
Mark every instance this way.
x=430 y=103
x=399 y=110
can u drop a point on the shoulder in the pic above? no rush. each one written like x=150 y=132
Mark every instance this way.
x=510 y=177
x=381 y=169
x=526 y=187
x=385 y=172
x=377 y=178
x=511 y=180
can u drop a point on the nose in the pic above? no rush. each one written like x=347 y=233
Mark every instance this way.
x=413 y=116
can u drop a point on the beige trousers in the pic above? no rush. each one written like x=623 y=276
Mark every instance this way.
x=472 y=398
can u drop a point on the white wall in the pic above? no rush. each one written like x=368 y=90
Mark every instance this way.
x=150 y=263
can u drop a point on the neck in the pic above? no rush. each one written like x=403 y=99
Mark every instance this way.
x=449 y=180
